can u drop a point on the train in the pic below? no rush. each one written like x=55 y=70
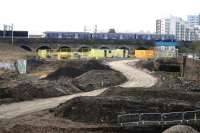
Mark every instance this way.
x=20 y=34
x=107 y=36
x=92 y=36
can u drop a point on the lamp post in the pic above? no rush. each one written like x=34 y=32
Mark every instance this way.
x=12 y=34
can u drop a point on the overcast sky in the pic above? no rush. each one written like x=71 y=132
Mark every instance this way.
x=37 y=16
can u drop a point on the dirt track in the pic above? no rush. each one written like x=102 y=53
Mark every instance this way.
x=136 y=78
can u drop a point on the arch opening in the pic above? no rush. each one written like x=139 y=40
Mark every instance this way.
x=125 y=48
x=126 y=51
x=43 y=48
x=26 y=48
x=141 y=48
x=65 y=49
x=84 y=49
x=104 y=48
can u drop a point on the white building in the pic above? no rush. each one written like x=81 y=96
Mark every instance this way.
x=193 y=20
x=178 y=27
x=195 y=31
x=161 y=26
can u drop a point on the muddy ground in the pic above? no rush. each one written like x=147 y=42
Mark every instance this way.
x=99 y=114
x=170 y=94
x=117 y=100
x=67 y=78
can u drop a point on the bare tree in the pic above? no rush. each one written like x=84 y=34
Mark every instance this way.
x=112 y=30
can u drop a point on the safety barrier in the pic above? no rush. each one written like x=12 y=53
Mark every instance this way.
x=7 y=66
x=20 y=66
x=149 y=119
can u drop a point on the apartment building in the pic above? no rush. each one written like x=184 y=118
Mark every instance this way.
x=193 y=20
x=182 y=30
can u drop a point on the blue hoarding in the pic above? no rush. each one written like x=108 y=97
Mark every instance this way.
x=166 y=43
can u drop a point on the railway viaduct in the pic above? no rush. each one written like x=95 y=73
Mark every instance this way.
x=33 y=44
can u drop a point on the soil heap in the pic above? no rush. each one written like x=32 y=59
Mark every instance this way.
x=72 y=77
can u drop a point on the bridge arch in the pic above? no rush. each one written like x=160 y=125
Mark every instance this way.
x=104 y=47
x=125 y=48
x=84 y=49
x=141 y=48
x=27 y=48
x=65 y=49
x=43 y=48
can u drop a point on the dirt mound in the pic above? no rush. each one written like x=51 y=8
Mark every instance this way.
x=155 y=92
x=24 y=87
x=149 y=65
x=96 y=79
x=28 y=91
x=67 y=72
x=180 y=129
x=166 y=65
x=4 y=93
x=74 y=69
x=41 y=89
x=8 y=76
x=94 y=64
x=106 y=109
x=192 y=70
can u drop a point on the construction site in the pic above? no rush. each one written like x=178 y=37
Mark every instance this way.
x=111 y=91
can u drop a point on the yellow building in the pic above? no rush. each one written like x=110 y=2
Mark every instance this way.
x=96 y=53
x=93 y=53
x=145 y=54
x=120 y=53
x=42 y=53
x=107 y=53
x=63 y=55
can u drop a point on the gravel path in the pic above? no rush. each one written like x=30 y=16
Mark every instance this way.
x=136 y=78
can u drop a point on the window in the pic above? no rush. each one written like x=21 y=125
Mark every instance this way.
x=162 y=48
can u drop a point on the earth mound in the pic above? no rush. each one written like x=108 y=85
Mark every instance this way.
x=75 y=69
x=96 y=79
x=166 y=65
x=41 y=89
x=75 y=77
x=106 y=109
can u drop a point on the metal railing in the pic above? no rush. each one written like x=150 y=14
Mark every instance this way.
x=148 y=119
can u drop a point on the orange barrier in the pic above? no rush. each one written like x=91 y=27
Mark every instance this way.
x=144 y=54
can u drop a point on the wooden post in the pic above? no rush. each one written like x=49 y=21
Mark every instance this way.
x=184 y=58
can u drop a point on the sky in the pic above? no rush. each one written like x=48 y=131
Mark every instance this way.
x=38 y=16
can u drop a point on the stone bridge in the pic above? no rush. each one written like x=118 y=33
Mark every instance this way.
x=33 y=44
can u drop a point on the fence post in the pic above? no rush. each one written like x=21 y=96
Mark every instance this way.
x=195 y=117
x=118 y=120
x=183 y=117
x=162 y=122
x=139 y=118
